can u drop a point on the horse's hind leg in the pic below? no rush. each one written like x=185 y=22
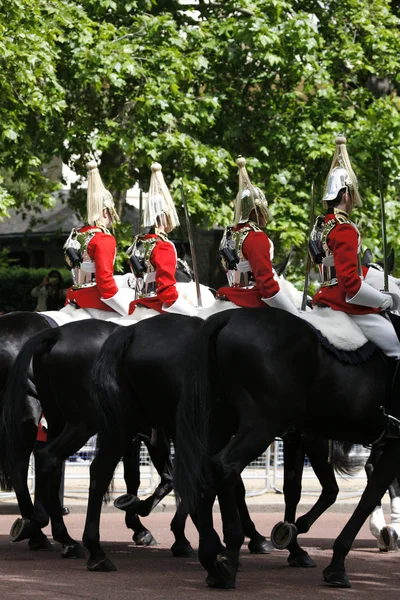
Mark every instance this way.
x=101 y=473
x=50 y=460
x=258 y=544
x=251 y=439
x=378 y=483
x=26 y=527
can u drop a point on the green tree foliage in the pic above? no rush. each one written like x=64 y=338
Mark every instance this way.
x=193 y=86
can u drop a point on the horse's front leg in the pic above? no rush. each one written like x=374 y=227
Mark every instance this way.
x=128 y=502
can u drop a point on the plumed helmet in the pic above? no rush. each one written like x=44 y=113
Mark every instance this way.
x=341 y=174
x=98 y=197
x=159 y=208
x=249 y=196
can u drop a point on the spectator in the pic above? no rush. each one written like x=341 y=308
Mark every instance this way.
x=50 y=293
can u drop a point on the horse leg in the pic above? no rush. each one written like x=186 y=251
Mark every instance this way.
x=160 y=455
x=251 y=439
x=101 y=473
x=318 y=453
x=377 y=519
x=131 y=461
x=258 y=544
x=389 y=534
x=25 y=527
x=284 y=534
x=378 y=483
x=50 y=460
x=181 y=546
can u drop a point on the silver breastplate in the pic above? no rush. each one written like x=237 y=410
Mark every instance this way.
x=321 y=254
x=77 y=259
x=237 y=267
x=139 y=254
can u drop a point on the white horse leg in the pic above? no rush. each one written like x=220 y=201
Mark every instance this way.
x=376 y=524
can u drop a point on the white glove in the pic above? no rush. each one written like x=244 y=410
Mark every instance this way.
x=388 y=302
x=180 y=307
x=369 y=296
x=280 y=300
x=120 y=301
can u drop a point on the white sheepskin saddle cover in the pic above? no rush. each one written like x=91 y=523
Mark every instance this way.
x=338 y=328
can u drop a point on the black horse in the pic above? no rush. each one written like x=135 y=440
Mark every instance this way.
x=270 y=368
x=156 y=348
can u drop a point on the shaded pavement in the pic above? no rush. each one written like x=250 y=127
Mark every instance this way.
x=152 y=573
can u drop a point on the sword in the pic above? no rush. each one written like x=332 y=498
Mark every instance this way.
x=384 y=239
x=191 y=244
x=308 y=261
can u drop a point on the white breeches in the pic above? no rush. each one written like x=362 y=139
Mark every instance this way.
x=380 y=331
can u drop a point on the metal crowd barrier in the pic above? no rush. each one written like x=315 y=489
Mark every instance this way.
x=263 y=475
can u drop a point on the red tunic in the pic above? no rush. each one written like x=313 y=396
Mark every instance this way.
x=101 y=249
x=257 y=250
x=163 y=259
x=344 y=242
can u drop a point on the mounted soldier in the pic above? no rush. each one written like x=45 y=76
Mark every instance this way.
x=247 y=252
x=154 y=259
x=335 y=248
x=90 y=254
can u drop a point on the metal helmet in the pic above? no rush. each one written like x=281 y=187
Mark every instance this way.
x=249 y=196
x=98 y=197
x=341 y=174
x=159 y=208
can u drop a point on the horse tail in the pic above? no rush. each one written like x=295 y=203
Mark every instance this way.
x=107 y=386
x=195 y=411
x=345 y=459
x=15 y=411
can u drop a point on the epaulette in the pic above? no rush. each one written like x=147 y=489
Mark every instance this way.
x=342 y=217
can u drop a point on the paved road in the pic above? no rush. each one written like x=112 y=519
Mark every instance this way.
x=152 y=573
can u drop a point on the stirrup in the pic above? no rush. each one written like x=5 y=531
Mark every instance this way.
x=392 y=429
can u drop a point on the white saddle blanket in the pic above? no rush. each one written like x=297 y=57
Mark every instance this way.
x=338 y=328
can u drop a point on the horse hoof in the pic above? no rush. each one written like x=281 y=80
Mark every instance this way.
x=101 y=565
x=21 y=529
x=127 y=502
x=261 y=546
x=40 y=542
x=182 y=550
x=304 y=562
x=226 y=573
x=283 y=534
x=388 y=536
x=72 y=551
x=336 y=578
x=144 y=538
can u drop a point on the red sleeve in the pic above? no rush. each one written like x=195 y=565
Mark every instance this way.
x=343 y=241
x=102 y=250
x=163 y=258
x=256 y=248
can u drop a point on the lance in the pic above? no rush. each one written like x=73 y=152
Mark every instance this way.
x=191 y=244
x=140 y=209
x=384 y=239
x=308 y=261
